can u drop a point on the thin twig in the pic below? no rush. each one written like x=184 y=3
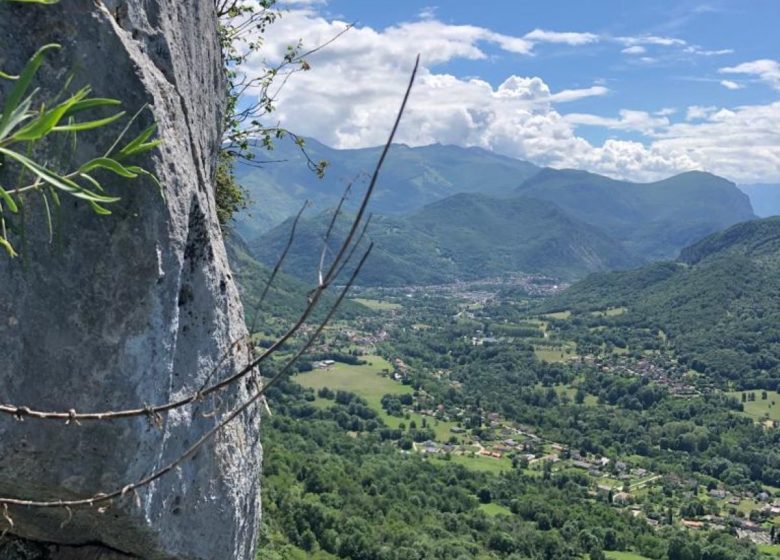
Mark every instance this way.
x=104 y=497
x=22 y=412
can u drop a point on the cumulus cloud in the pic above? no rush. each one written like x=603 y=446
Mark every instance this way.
x=349 y=98
x=697 y=112
x=766 y=70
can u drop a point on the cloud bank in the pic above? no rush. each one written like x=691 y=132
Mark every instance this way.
x=349 y=97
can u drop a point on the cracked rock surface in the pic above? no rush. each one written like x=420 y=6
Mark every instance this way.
x=130 y=309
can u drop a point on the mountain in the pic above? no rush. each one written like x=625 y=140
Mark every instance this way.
x=764 y=198
x=717 y=304
x=410 y=179
x=286 y=298
x=465 y=236
x=654 y=220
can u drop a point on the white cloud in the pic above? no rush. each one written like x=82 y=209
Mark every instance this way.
x=695 y=49
x=765 y=70
x=651 y=40
x=568 y=38
x=666 y=111
x=697 y=112
x=635 y=49
x=428 y=12
x=639 y=121
x=350 y=96
x=729 y=84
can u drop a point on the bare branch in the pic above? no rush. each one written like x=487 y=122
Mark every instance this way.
x=130 y=488
x=21 y=412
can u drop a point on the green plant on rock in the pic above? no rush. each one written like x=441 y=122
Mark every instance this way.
x=27 y=123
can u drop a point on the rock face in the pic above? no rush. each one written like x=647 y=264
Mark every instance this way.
x=130 y=309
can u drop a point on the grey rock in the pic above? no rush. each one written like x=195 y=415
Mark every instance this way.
x=131 y=309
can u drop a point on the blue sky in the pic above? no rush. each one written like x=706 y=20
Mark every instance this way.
x=627 y=88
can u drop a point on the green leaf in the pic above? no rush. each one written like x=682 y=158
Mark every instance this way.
x=47 y=120
x=110 y=164
x=57 y=181
x=139 y=144
x=8 y=247
x=9 y=201
x=8 y=76
x=91 y=180
x=98 y=209
x=20 y=114
x=23 y=82
x=87 y=125
x=152 y=176
x=91 y=103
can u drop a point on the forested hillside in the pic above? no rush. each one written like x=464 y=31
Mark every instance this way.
x=654 y=220
x=444 y=213
x=717 y=304
x=411 y=178
x=465 y=236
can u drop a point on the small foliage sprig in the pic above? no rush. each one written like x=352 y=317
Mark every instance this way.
x=25 y=124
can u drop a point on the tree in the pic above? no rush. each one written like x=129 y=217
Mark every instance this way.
x=252 y=99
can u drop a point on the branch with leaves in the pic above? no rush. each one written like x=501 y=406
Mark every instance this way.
x=26 y=123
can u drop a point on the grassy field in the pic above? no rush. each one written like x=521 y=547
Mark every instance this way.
x=615 y=555
x=367 y=382
x=378 y=305
x=560 y=315
x=770 y=549
x=495 y=509
x=611 y=312
x=480 y=463
x=547 y=353
x=760 y=409
x=590 y=400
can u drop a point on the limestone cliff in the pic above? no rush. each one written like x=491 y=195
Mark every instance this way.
x=130 y=309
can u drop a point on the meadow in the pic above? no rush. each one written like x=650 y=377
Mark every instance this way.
x=368 y=382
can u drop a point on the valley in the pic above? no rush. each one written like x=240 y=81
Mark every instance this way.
x=522 y=383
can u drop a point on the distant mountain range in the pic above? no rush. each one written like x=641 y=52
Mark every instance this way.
x=765 y=199
x=411 y=178
x=447 y=213
x=464 y=236
x=717 y=304
x=653 y=220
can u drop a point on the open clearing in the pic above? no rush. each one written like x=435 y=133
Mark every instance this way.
x=495 y=509
x=377 y=304
x=760 y=409
x=480 y=463
x=615 y=555
x=555 y=353
x=367 y=382
x=771 y=549
x=611 y=312
x=560 y=315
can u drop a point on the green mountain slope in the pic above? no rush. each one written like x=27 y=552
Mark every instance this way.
x=654 y=220
x=465 y=236
x=286 y=297
x=718 y=305
x=411 y=178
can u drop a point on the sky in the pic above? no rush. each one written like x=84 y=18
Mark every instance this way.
x=630 y=89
